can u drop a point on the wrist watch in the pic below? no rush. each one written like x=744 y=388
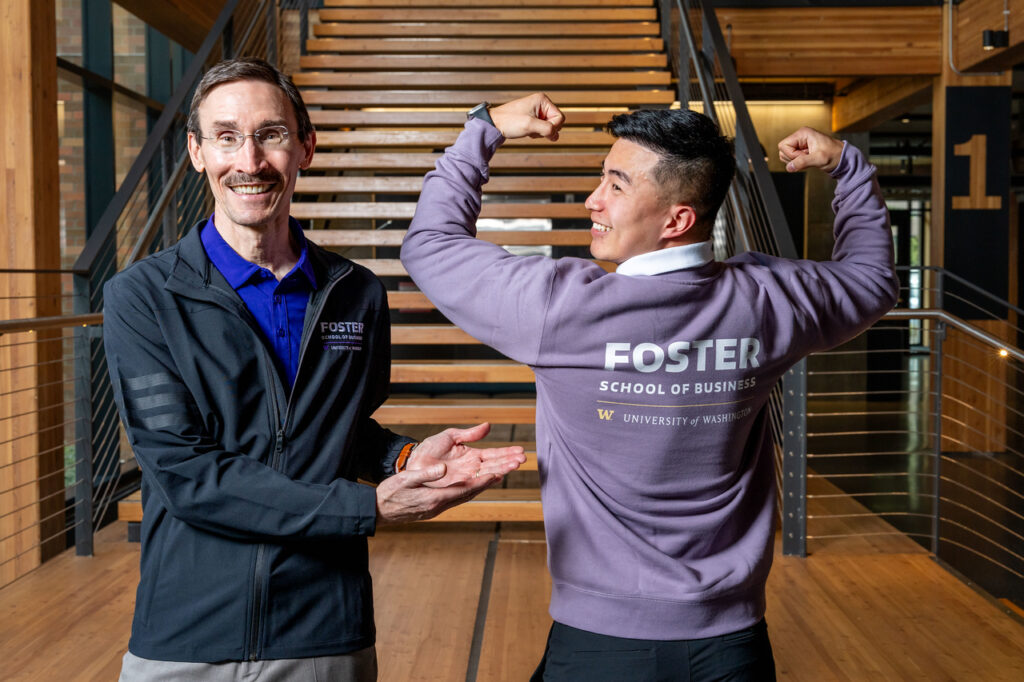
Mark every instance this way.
x=480 y=112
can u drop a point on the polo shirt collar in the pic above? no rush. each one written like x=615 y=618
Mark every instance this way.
x=237 y=270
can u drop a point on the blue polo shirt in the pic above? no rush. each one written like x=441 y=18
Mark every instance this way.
x=279 y=307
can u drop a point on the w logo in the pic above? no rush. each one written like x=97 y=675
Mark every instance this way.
x=605 y=414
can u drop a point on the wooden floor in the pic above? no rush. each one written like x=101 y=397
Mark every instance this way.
x=848 y=612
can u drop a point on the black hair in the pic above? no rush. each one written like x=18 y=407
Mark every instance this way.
x=696 y=163
x=246 y=69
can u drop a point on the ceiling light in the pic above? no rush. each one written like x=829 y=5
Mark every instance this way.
x=990 y=40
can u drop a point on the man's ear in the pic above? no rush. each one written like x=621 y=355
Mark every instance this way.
x=681 y=218
x=194 y=153
x=309 y=146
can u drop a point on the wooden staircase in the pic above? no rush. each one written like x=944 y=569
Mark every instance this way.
x=388 y=83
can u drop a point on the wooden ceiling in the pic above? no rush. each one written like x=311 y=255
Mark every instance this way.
x=186 y=22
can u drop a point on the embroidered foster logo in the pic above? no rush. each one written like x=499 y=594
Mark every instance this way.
x=342 y=335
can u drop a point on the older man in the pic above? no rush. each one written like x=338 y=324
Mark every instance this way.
x=246 y=364
x=652 y=432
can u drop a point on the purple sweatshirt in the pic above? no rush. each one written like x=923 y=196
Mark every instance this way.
x=653 y=441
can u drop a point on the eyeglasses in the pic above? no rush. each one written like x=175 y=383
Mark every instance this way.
x=271 y=137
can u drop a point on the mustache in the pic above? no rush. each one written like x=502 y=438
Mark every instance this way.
x=246 y=179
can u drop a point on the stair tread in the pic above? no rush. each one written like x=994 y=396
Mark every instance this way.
x=406 y=119
x=473 y=79
x=484 y=3
x=444 y=138
x=505 y=237
x=467 y=98
x=484 y=62
x=531 y=14
x=405 y=210
x=402 y=28
x=419 y=161
x=475 y=45
x=542 y=184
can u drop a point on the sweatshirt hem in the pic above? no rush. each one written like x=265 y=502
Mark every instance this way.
x=640 y=617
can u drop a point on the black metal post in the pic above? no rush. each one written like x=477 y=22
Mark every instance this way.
x=794 y=460
x=83 y=421
x=940 y=338
x=272 y=14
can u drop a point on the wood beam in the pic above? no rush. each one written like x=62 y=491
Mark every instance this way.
x=186 y=22
x=972 y=18
x=31 y=456
x=833 y=41
x=864 y=105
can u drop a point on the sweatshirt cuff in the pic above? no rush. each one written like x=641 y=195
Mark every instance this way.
x=477 y=142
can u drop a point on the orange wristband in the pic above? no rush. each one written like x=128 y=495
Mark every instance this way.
x=403 y=456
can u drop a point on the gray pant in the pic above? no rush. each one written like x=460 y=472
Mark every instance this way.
x=359 y=666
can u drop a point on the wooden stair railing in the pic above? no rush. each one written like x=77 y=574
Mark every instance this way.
x=388 y=83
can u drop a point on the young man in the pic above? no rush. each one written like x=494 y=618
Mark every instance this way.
x=652 y=432
x=246 y=364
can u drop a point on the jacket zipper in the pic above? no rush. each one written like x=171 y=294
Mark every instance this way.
x=307 y=334
x=275 y=462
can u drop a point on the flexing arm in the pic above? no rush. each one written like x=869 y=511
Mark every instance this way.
x=498 y=298
x=837 y=299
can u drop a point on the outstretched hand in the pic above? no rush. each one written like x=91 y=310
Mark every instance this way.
x=443 y=472
x=463 y=463
x=809 y=148
x=405 y=496
x=531 y=116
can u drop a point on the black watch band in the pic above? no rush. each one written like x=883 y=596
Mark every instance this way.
x=480 y=111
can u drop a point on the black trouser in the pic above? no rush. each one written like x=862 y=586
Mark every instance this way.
x=574 y=655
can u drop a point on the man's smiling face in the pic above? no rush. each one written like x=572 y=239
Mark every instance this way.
x=629 y=216
x=252 y=187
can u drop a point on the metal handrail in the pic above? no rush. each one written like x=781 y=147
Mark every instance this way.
x=31 y=324
x=954 y=321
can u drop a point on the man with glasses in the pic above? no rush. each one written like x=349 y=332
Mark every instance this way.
x=246 y=364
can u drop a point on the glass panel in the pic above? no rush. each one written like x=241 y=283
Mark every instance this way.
x=71 y=164
x=129 y=134
x=69 y=30
x=129 y=50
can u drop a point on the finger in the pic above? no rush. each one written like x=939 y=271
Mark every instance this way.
x=548 y=111
x=499 y=468
x=470 y=435
x=498 y=453
x=417 y=477
x=809 y=160
x=536 y=127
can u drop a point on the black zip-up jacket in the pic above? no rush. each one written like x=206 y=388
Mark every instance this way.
x=254 y=528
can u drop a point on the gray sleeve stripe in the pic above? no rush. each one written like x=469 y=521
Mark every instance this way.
x=149 y=402
x=161 y=421
x=148 y=381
